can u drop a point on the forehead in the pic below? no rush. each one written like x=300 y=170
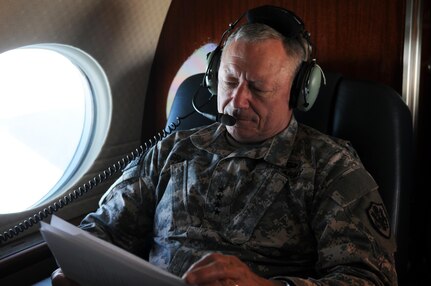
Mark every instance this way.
x=263 y=58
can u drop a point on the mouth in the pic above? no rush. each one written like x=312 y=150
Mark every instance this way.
x=245 y=119
x=241 y=116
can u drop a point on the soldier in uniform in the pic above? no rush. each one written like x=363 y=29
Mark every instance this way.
x=267 y=201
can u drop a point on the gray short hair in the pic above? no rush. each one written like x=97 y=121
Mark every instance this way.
x=254 y=32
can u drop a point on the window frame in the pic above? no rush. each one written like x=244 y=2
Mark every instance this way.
x=99 y=106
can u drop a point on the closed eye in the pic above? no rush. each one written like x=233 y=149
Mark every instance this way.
x=230 y=84
x=258 y=90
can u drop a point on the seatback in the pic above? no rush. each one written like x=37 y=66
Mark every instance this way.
x=372 y=116
x=375 y=119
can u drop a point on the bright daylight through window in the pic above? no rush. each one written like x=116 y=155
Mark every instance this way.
x=46 y=123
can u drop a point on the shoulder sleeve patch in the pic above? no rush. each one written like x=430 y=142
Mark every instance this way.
x=379 y=219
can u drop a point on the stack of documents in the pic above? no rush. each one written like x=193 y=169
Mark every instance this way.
x=89 y=260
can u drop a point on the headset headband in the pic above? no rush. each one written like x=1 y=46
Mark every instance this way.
x=281 y=20
x=306 y=84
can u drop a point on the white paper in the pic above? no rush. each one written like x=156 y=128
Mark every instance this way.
x=92 y=261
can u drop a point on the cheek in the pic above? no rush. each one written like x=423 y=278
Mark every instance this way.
x=220 y=105
x=222 y=101
x=275 y=112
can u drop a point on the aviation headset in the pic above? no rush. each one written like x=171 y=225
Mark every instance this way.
x=306 y=84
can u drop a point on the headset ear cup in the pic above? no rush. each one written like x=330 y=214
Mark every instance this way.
x=296 y=86
x=211 y=74
x=309 y=81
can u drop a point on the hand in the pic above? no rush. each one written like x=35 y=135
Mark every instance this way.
x=216 y=269
x=59 y=279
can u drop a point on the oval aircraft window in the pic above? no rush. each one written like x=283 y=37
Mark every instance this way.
x=55 y=110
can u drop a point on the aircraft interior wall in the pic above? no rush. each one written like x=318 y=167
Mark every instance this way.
x=141 y=45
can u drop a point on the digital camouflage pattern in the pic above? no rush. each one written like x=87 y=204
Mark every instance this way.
x=297 y=206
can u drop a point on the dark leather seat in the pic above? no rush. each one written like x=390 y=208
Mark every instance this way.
x=372 y=116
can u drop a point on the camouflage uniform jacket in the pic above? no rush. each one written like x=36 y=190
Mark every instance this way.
x=297 y=205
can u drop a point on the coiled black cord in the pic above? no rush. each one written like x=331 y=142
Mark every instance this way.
x=86 y=187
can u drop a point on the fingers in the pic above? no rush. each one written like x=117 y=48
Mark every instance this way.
x=215 y=269
x=59 y=279
x=227 y=282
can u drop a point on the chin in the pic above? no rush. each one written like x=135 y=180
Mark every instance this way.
x=243 y=135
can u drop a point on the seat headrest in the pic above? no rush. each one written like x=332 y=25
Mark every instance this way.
x=182 y=104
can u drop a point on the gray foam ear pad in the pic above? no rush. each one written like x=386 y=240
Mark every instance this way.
x=311 y=89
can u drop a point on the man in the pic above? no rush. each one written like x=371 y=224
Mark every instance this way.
x=267 y=201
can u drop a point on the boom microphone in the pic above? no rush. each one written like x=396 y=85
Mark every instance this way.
x=225 y=119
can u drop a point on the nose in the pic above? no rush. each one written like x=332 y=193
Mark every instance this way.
x=241 y=97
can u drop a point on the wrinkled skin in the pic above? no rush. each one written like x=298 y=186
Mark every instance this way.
x=217 y=269
x=254 y=87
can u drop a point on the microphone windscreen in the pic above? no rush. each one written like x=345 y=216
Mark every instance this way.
x=226 y=119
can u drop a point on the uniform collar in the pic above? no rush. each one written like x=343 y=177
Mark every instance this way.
x=275 y=150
